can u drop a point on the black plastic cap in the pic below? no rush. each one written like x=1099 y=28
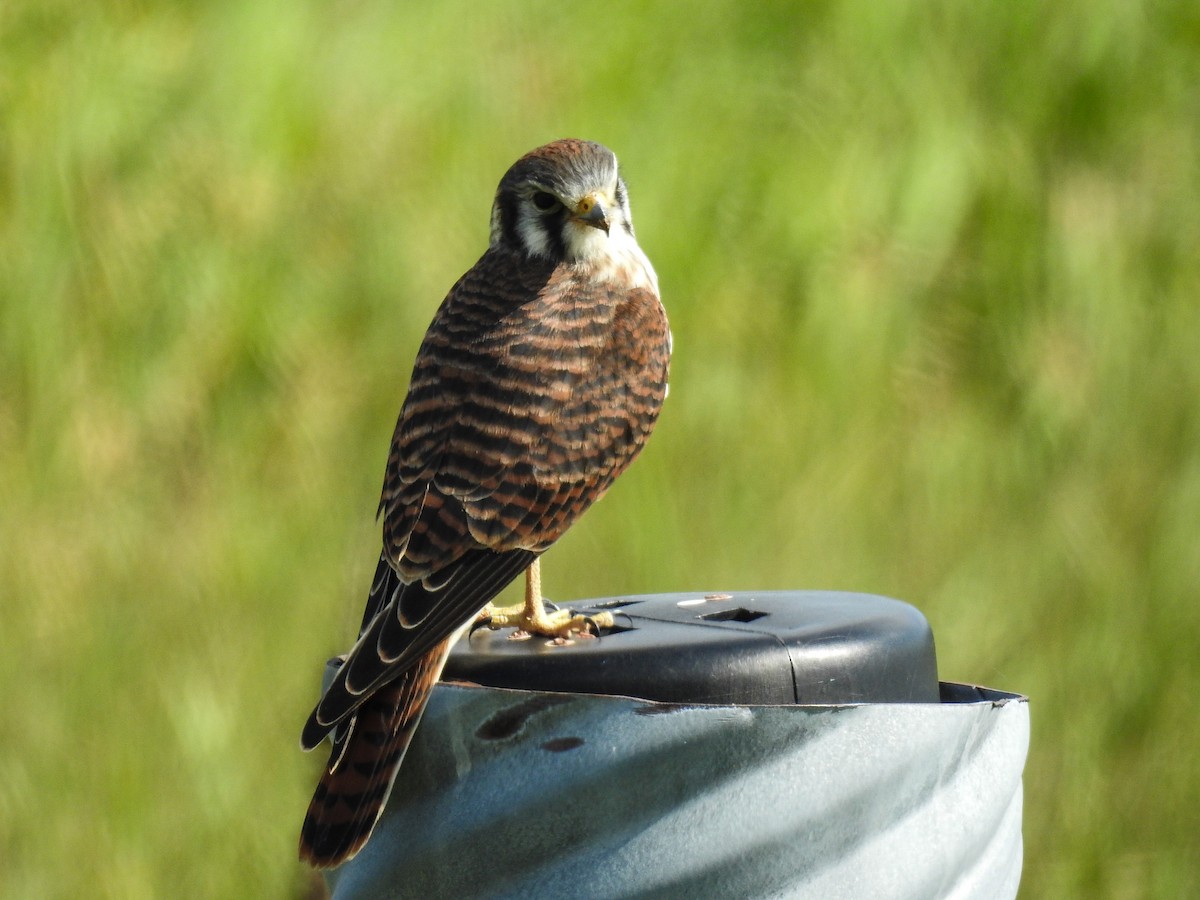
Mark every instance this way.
x=774 y=647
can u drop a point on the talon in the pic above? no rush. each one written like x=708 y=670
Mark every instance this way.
x=599 y=622
x=481 y=622
x=591 y=629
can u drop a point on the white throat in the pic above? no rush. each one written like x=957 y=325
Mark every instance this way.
x=615 y=256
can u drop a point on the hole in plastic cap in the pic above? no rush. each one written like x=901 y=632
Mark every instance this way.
x=733 y=615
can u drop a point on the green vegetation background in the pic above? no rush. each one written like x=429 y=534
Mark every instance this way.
x=933 y=271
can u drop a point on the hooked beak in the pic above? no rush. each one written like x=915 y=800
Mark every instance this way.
x=590 y=211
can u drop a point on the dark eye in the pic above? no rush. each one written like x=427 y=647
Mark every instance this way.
x=545 y=201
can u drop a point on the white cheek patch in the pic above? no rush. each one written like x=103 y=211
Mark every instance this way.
x=531 y=228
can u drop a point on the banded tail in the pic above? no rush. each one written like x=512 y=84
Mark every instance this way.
x=363 y=764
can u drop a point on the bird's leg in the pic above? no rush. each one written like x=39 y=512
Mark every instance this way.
x=532 y=617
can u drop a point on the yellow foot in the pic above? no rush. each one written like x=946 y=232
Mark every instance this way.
x=561 y=625
x=532 y=618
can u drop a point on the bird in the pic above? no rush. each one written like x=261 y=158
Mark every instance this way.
x=536 y=385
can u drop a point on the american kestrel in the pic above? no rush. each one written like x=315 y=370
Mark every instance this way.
x=537 y=384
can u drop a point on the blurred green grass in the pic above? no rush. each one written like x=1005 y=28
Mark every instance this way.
x=933 y=273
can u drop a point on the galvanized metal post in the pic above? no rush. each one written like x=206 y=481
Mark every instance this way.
x=787 y=744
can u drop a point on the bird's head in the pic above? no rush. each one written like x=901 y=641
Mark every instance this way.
x=563 y=202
